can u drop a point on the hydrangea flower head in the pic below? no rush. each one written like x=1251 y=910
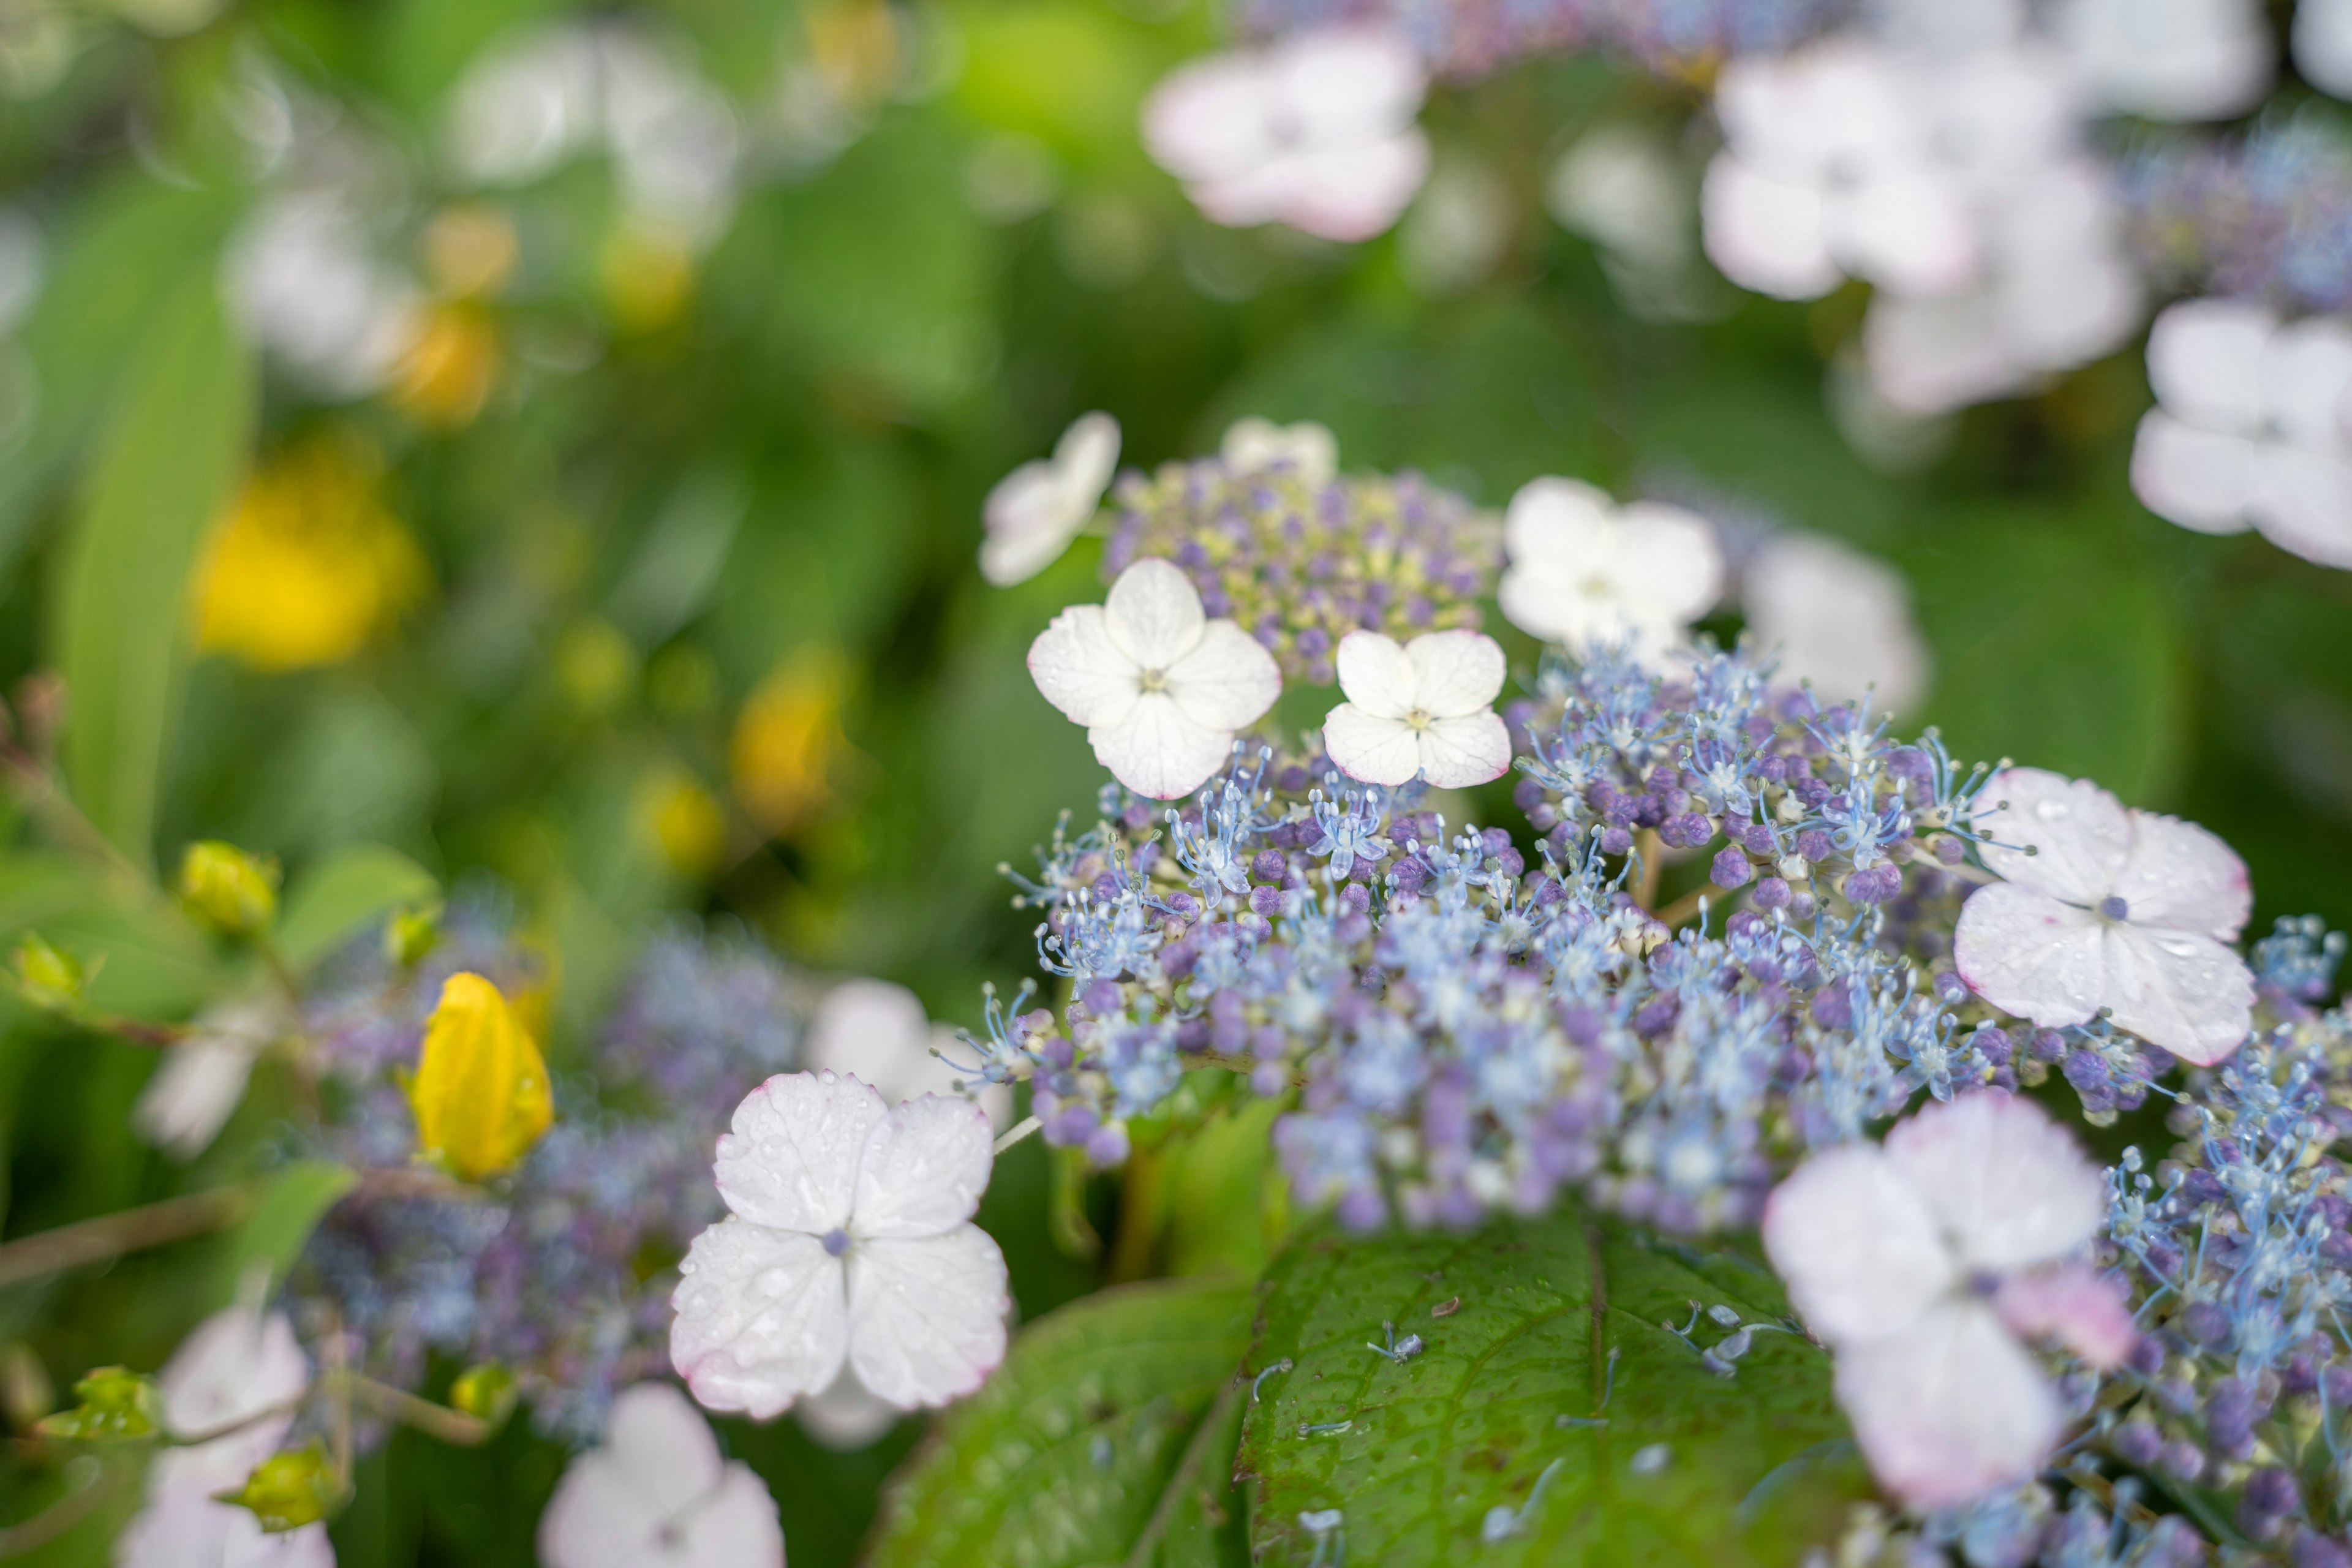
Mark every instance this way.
x=851 y=1242
x=1923 y=1262
x=1419 y=709
x=2108 y=908
x=1037 y=508
x=659 y=1495
x=1161 y=688
x=1585 y=570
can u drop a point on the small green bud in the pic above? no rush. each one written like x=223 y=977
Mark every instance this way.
x=487 y=1393
x=223 y=888
x=48 y=977
x=288 y=1490
x=410 y=934
x=118 y=1406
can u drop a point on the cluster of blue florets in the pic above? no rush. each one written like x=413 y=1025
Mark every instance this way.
x=2268 y=216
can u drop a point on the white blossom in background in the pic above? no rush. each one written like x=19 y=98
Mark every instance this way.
x=1458 y=228
x=1835 y=618
x=1035 y=510
x=1252 y=446
x=1317 y=132
x=2252 y=426
x=304 y=279
x=1160 y=689
x=2321 y=45
x=1419 y=709
x=2102 y=907
x=1627 y=188
x=198 y=1084
x=658 y=1494
x=1583 y=569
x=240 y=1369
x=1924 y=1262
x=849 y=1244
x=881 y=1033
x=2170 y=59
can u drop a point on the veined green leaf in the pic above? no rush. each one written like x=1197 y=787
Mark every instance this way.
x=1551 y=1355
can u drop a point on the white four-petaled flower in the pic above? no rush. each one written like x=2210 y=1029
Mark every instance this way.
x=1159 y=687
x=850 y=1244
x=1037 y=508
x=1419 y=709
x=1923 y=1262
x=1585 y=570
x=659 y=1495
x=1315 y=132
x=1253 y=446
x=2105 y=907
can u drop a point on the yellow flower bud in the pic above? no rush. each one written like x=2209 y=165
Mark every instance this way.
x=288 y=1490
x=228 y=889
x=48 y=977
x=480 y=1092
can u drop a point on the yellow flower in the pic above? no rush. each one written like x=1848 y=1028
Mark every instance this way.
x=448 y=373
x=308 y=565
x=788 y=742
x=480 y=1092
x=684 y=820
x=647 y=272
x=228 y=889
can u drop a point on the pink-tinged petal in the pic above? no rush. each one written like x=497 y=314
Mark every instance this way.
x=1082 y=671
x=791 y=1161
x=1673 y=556
x=1857 y=1245
x=1227 y=681
x=659 y=1495
x=2180 y=989
x=761 y=1318
x=2198 y=478
x=926 y=1164
x=2072 y=1303
x=1347 y=84
x=1153 y=614
x=1952 y=1408
x=1456 y=674
x=1376 y=676
x=927 y=1316
x=2303 y=504
x=1456 y=753
x=1351 y=193
x=1911 y=233
x=1766 y=234
x=2205 y=360
x=2028 y=954
x=1208 y=120
x=2009 y=1187
x=1368 y=749
x=1157 y=750
x=2066 y=837
x=2180 y=875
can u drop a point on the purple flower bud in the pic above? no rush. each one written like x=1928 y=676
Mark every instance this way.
x=1410 y=876
x=1527 y=793
x=2313 y=1549
x=2146 y=1357
x=1107 y=1146
x=1362 y=1210
x=1771 y=893
x=1730 y=868
x=1616 y=841
x=1874 y=886
x=1657 y=1016
x=2206 y=1323
x=1952 y=990
x=2049 y=1046
x=1268 y=865
x=1994 y=1046
x=2182 y=1460
x=1813 y=843
x=2229 y=1419
x=1265 y=902
x=2088 y=1071
x=1355 y=898
x=2137 y=1443
x=1832 y=1007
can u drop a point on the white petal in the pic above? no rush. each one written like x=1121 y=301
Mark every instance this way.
x=1159 y=752
x=1227 y=681
x=193 y=1094
x=2009 y=1187
x=1857 y=1245
x=926 y=1164
x=1371 y=750
x=1082 y=671
x=1673 y=556
x=2171 y=60
x=2199 y=478
x=2078 y=835
x=2303 y=503
x=1347 y=84
x=1456 y=674
x=761 y=1318
x=2180 y=989
x=1032 y=515
x=1950 y=1409
x=662 y=1446
x=2030 y=954
x=1765 y=233
x=927 y=1316
x=1153 y=614
x=1911 y=234
x=2180 y=875
x=2205 y=362
x=2306 y=376
x=657 y=1494
x=1456 y=753
x=1352 y=194
x=1208 y=120
x=1307 y=449
x=1835 y=617
x=791 y=1162
x=231 y=1367
x=874 y=1029
x=1087 y=455
x=1931 y=356
x=2323 y=44
x=1376 y=676
x=846 y=1416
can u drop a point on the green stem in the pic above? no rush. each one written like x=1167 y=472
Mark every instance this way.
x=110 y=1236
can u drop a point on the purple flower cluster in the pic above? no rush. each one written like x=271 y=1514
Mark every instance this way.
x=2266 y=217
x=1470 y=38
x=1300 y=565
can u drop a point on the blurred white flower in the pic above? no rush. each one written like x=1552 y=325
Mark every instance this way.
x=1627 y=188
x=659 y=1495
x=1037 y=508
x=2252 y=426
x=2170 y=59
x=851 y=1244
x=2322 y=43
x=879 y=1032
x=1421 y=710
x=1835 y=618
x=23 y=268
x=305 y=280
x=240 y=1369
x=1307 y=449
x=1161 y=688
x=845 y=1415
x=1315 y=132
x=1585 y=570
x=1921 y=1263
x=1457 y=228
x=200 y=1081
x=2102 y=907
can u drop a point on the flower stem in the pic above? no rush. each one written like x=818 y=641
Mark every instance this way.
x=129 y=1230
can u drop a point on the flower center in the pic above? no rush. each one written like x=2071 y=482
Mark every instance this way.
x=2115 y=908
x=1597 y=587
x=836 y=1241
x=1419 y=719
x=1155 y=680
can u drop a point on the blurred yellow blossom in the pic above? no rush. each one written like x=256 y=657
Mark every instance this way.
x=647 y=272
x=228 y=890
x=447 y=372
x=594 y=664
x=309 y=564
x=470 y=251
x=480 y=1092
x=788 y=742
x=858 y=48
x=683 y=820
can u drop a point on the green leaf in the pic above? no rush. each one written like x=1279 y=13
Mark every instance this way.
x=295 y=1198
x=1105 y=1438
x=338 y=894
x=1689 y=1467
x=174 y=447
